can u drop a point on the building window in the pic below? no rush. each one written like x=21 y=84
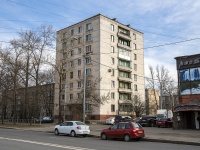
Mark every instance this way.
x=134 y=46
x=71 y=75
x=124 y=96
x=135 y=87
x=125 y=74
x=112 y=95
x=135 y=67
x=88 y=83
x=124 y=63
x=88 y=71
x=135 y=56
x=79 y=62
x=113 y=72
x=71 y=96
x=112 y=60
x=72 y=52
x=79 y=95
x=112 y=27
x=89 y=37
x=135 y=77
x=71 y=85
x=79 y=73
x=63 y=97
x=79 y=40
x=125 y=85
x=79 y=50
x=112 y=84
x=72 y=32
x=87 y=107
x=124 y=42
x=134 y=36
x=88 y=49
x=88 y=60
x=79 y=84
x=88 y=26
x=80 y=29
x=112 y=49
x=112 y=38
x=112 y=108
x=72 y=63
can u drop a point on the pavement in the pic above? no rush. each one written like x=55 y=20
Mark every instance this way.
x=152 y=134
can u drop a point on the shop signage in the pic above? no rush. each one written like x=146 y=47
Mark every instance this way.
x=186 y=108
x=189 y=62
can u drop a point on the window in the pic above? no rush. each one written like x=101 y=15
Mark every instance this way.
x=63 y=97
x=87 y=107
x=88 y=60
x=112 y=108
x=124 y=31
x=72 y=52
x=112 y=38
x=71 y=96
x=124 y=42
x=79 y=50
x=88 y=71
x=135 y=77
x=72 y=63
x=113 y=72
x=71 y=85
x=112 y=27
x=79 y=40
x=80 y=29
x=125 y=74
x=134 y=36
x=125 y=85
x=88 y=49
x=112 y=84
x=134 y=46
x=72 y=32
x=112 y=95
x=64 y=44
x=124 y=63
x=79 y=62
x=88 y=26
x=112 y=60
x=124 y=53
x=79 y=73
x=79 y=84
x=135 y=56
x=89 y=37
x=124 y=96
x=135 y=87
x=135 y=67
x=88 y=83
x=112 y=49
x=79 y=95
x=71 y=75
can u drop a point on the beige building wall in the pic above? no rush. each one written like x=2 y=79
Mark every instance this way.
x=104 y=61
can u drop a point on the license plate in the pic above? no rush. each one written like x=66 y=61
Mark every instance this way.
x=140 y=131
x=85 y=132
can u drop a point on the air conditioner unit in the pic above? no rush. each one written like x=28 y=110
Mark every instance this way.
x=109 y=70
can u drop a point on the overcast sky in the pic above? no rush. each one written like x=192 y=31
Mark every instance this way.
x=163 y=22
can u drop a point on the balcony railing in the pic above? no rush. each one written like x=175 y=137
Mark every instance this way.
x=125 y=79
x=129 y=69
x=125 y=90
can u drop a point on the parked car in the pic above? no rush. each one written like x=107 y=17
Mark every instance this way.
x=45 y=119
x=72 y=128
x=123 y=130
x=164 y=122
x=110 y=120
x=147 y=121
x=120 y=118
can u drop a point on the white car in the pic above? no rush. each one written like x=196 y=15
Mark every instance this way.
x=72 y=128
x=110 y=120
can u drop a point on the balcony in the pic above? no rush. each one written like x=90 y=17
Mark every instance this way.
x=125 y=101
x=124 y=46
x=128 y=69
x=124 y=36
x=123 y=90
x=125 y=79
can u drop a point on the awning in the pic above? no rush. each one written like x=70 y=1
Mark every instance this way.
x=193 y=105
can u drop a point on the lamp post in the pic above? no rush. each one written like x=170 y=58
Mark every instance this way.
x=84 y=87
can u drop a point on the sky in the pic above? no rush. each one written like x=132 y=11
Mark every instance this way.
x=171 y=27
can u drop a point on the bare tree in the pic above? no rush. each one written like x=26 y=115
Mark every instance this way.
x=138 y=105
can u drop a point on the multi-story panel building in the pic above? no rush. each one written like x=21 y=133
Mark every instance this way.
x=113 y=53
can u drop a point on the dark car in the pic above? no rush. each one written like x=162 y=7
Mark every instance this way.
x=120 y=118
x=164 y=122
x=123 y=130
x=45 y=119
x=147 y=121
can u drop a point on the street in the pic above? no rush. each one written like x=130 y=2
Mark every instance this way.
x=32 y=140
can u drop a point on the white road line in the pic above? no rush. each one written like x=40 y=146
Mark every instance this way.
x=46 y=144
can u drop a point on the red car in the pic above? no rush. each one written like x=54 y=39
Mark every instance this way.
x=164 y=122
x=123 y=130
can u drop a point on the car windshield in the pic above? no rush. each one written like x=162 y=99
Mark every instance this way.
x=160 y=115
x=80 y=123
x=136 y=125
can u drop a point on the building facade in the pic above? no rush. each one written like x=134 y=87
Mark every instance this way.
x=151 y=101
x=112 y=56
x=188 y=109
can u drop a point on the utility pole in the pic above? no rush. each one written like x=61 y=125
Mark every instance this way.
x=161 y=94
x=84 y=87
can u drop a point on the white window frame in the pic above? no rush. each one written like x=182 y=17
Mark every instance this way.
x=89 y=37
x=112 y=95
x=112 y=49
x=112 y=38
x=88 y=71
x=88 y=60
x=112 y=27
x=88 y=26
x=112 y=83
x=88 y=49
x=80 y=29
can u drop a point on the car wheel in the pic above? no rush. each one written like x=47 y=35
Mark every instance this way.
x=73 y=133
x=84 y=135
x=56 y=132
x=127 y=137
x=103 y=136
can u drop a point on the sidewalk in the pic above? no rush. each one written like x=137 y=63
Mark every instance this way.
x=152 y=134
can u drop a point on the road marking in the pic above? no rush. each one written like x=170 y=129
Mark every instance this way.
x=46 y=144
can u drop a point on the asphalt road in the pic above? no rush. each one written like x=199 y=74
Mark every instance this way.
x=11 y=139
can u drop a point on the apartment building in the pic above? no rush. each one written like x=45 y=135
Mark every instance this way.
x=111 y=54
